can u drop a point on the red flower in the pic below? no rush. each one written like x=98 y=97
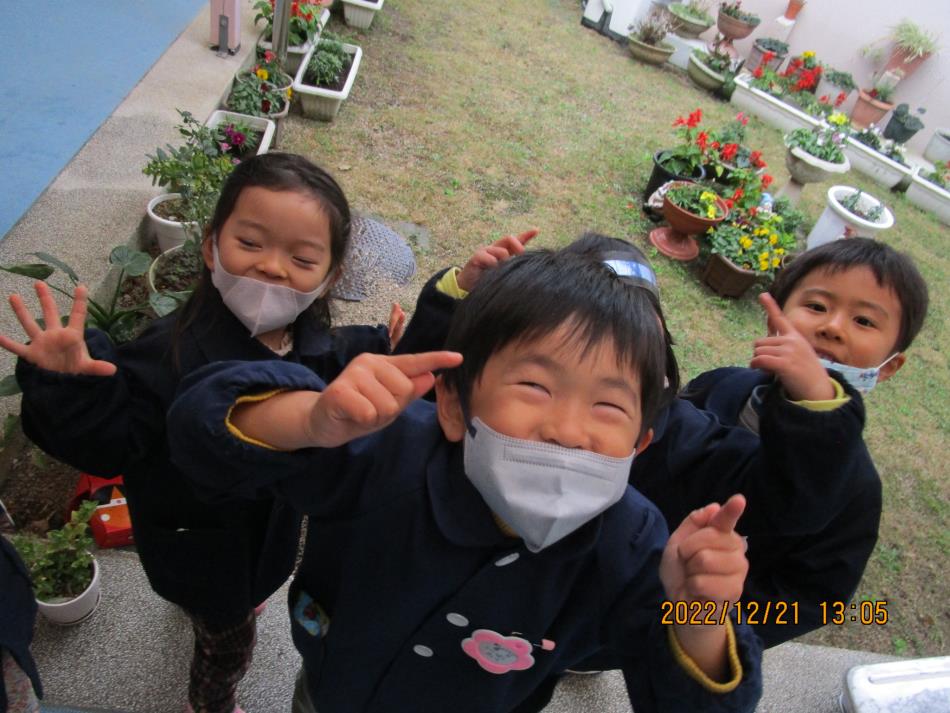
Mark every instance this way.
x=766 y=181
x=839 y=100
x=738 y=194
x=757 y=73
x=742 y=118
x=755 y=158
x=715 y=144
x=265 y=106
x=702 y=140
x=680 y=121
x=729 y=203
x=768 y=57
x=729 y=151
x=753 y=210
x=823 y=99
x=694 y=119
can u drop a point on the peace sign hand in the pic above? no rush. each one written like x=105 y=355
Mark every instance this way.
x=56 y=347
x=788 y=355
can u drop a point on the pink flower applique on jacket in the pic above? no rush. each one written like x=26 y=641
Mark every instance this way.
x=498 y=654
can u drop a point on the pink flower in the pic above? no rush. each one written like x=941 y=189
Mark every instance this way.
x=498 y=654
x=269 y=56
x=742 y=118
x=224 y=146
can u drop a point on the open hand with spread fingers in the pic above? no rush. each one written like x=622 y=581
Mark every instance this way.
x=492 y=256
x=54 y=346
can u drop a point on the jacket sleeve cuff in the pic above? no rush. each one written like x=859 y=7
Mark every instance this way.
x=448 y=284
x=688 y=665
x=237 y=432
x=840 y=399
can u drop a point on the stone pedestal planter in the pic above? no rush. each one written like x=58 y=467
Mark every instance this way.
x=929 y=196
x=650 y=54
x=168 y=233
x=258 y=123
x=676 y=241
x=805 y=168
x=360 y=13
x=318 y=102
x=938 y=148
x=733 y=29
x=702 y=75
x=772 y=111
x=73 y=611
x=875 y=165
x=837 y=222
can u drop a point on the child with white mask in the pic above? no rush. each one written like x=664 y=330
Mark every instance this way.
x=274 y=246
x=490 y=539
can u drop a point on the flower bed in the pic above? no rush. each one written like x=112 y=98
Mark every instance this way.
x=770 y=109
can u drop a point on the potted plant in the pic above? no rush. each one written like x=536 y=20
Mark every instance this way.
x=64 y=573
x=881 y=159
x=684 y=161
x=307 y=19
x=708 y=69
x=872 y=104
x=734 y=23
x=912 y=45
x=689 y=208
x=193 y=173
x=938 y=148
x=814 y=155
x=360 y=13
x=833 y=83
x=903 y=125
x=692 y=18
x=263 y=90
x=849 y=212
x=793 y=8
x=326 y=77
x=241 y=136
x=930 y=190
x=728 y=153
x=803 y=73
x=768 y=52
x=746 y=249
x=647 y=35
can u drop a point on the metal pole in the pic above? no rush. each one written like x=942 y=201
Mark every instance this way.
x=281 y=29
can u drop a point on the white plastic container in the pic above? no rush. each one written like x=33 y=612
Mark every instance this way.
x=74 y=610
x=938 y=148
x=317 y=102
x=929 y=196
x=359 y=13
x=168 y=233
x=898 y=686
x=258 y=123
x=837 y=222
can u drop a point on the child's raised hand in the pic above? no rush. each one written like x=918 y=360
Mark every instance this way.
x=56 y=347
x=704 y=559
x=788 y=355
x=492 y=256
x=371 y=392
x=397 y=325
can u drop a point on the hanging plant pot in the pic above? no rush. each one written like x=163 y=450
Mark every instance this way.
x=838 y=222
x=868 y=110
x=72 y=611
x=726 y=278
x=360 y=13
x=660 y=176
x=702 y=75
x=168 y=232
x=650 y=54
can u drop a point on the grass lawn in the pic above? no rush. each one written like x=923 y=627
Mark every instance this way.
x=479 y=118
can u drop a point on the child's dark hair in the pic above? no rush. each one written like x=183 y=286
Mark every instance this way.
x=607 y=249
x=530 y=296
x=276 y=172
x=893 y=270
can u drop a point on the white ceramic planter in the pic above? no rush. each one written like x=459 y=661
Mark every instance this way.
x=703 y=76
x=826 y=88
x=771 y=110
x=359 y=13
x=875 y=165
x=258 y=123
x=938 y=148
x=836 y=222
x=168 y=233
x=317 y=102
x=296 y=53
x=806 y=168
x=929 y=196
x=73 y=611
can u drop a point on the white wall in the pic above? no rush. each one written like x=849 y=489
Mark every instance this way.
x=837 y=30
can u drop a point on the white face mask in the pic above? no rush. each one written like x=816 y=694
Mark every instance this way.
x=261 y=306
x=542 y=491
x=862 y=379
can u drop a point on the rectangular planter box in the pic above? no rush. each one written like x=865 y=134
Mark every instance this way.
x=320 y=103
x=359 y=13
x=772 y=111
x=926 y=195
x=296 y=53
x=875 y=165
x=258 y=123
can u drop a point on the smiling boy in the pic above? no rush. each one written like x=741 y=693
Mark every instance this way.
x=460 y=553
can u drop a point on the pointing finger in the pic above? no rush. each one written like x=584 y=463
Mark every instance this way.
x=725 y=520
x=418 y=364
x=777 y=321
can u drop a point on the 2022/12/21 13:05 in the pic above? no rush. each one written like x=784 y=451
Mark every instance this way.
x=865 y=612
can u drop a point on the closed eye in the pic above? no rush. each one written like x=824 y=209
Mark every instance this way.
x=245 y=243
x=815 y=306
x=865 y=322
x=534 y=386
x=305 y=262
x=612 y=406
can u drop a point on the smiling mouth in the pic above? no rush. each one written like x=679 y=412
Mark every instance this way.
x=822 y=354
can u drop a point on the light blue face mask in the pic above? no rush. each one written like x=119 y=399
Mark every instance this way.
x=863 y=379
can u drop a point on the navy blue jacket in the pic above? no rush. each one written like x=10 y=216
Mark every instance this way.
x=404 y=556
x=826 y=563
x=217 y=560
x=17 y=615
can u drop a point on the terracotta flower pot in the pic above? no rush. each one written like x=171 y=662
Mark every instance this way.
x=733 y=29
x=726 y=278
x=676 y=241
x=900 y=59
x=794 y=7
x=868 y=110
x=651 y=54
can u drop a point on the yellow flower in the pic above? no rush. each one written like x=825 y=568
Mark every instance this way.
x=711 y=211
x=707 y=196
x=764 y=265
x=262 y=74
x=290 y=93
x=779 y=251
x=808 y=55
x=745 y=242
x=764 y=256
x=838 y=119
x=776 y=261
x=773 y=238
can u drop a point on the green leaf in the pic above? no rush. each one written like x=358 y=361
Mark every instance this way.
x=9 y=386
x=163 y=303
x=56 y=262
x=134 y=262
x=38 y=271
